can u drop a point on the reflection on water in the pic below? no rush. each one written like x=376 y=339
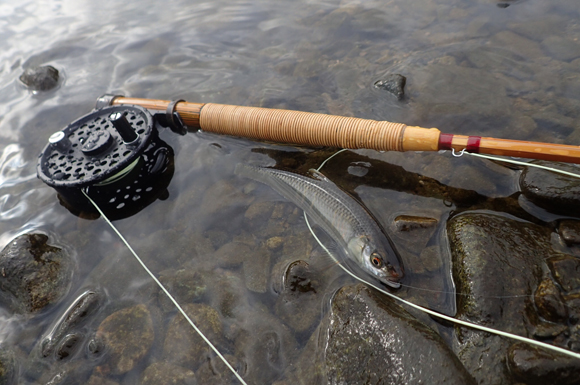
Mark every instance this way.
x=471 y=67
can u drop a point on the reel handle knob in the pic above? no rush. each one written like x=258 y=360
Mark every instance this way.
x=124 y=128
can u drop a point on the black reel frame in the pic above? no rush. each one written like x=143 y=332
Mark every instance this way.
x=115 y=156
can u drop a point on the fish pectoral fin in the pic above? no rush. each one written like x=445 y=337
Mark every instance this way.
x=318 y=175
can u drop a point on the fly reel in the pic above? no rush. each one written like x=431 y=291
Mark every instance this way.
x=115 y=156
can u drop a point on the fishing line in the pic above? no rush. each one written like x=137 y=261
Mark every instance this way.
x=165 y=290
x=519 y=163
x=443 y=316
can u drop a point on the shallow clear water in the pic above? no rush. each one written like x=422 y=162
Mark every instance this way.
x=472 y=67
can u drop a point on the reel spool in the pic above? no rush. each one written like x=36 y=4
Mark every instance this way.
x=113 y=154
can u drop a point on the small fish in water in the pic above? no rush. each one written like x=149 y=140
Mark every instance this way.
x=339 y=215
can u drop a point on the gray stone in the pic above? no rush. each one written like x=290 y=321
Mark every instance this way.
x=34 y=274
x=42 y=78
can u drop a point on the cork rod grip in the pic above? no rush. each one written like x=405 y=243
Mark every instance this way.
x=298 y=127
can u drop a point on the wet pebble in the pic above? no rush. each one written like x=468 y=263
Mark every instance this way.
x=42 y=78
x=406 y=223
x=127 y=336
x=166 y=373
x=33 y=274
x=68 y=346
x=536 y=366
x=394 y=84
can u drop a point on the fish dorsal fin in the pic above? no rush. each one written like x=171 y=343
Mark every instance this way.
x=318 y=175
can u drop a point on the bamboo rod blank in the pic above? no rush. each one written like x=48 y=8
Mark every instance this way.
x=313 y=129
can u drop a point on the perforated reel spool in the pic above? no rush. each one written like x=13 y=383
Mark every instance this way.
x=115 y=155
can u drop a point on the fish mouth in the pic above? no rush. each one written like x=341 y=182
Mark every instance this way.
x=392 y=283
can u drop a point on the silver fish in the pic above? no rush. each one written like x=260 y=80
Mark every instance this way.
x=339 y=215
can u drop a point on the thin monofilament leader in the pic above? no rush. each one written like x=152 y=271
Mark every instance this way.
x=166 y=291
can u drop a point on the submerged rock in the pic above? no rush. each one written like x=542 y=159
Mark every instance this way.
x=34 y=274
x=369 y=339
x=42 y=78
x=554 y=192
x=127 y=336
x=498 y=263
x=394 y=84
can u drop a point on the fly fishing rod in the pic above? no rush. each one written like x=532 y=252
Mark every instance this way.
x=314 y=129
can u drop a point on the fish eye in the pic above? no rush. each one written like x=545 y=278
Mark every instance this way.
x=376 y=260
